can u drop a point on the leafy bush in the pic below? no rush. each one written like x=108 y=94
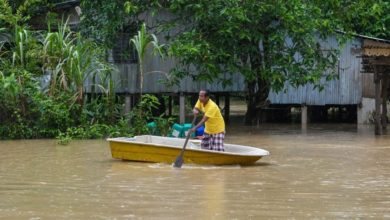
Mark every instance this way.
x=95 y=131
x=142 y=114
x=164 y=124
x=43 y=84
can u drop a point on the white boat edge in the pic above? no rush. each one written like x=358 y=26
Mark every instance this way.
x=193 y=145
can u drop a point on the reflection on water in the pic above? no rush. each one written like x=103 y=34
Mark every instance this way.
x=326 y=171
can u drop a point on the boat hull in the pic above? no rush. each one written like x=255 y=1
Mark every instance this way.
x=158 y=154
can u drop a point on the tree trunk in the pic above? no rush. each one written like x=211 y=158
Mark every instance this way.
x=251 y=104
x=80 y=97
x=258 y=89
x=257 y=99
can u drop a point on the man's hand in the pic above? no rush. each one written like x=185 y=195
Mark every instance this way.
x=195 y=111
x=193 y=130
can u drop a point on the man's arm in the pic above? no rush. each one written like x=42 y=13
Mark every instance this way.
x=196 y=111
x=204 y=119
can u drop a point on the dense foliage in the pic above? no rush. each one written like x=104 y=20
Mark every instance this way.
x=44 y=74
x=269 y=42
x=101 y=20
x=43 y=83
x=367 y=17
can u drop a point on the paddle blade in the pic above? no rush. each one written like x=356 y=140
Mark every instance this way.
x=178 y=162
x=179 y=159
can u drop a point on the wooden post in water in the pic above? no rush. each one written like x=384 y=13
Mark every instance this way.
x=377 y=80
x=217 y=99
x=182 y=108
x=384 y=101
x=227 y=108
x=127 y=103
x=135 y=100
x=170 y=105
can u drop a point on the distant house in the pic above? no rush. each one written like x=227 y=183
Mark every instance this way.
x=352 y=90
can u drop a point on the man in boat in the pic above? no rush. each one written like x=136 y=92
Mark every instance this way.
x=214 y=133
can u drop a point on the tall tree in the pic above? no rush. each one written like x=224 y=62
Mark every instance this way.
x=368 y=17
x=101 y=20
x=269 y=42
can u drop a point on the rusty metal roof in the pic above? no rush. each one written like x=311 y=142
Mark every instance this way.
x=376 y=48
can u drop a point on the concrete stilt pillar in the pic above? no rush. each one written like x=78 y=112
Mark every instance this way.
x=304 y=115
x=304 y=118
x=182 y=108
x=127 y=104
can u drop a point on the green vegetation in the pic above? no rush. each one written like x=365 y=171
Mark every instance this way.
x=141 y=41
x=270 y=43
x=43 y=79
x=367 y=17
x=44 y=75
x=31 y=109
x=101 y=20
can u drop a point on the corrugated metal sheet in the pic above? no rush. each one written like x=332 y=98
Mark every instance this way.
x=348 y=89
x=343 y=91
x=155 y=72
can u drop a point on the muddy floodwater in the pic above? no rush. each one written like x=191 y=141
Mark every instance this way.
x=322 y=172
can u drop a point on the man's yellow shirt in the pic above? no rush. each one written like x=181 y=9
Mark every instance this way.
x=215 y=123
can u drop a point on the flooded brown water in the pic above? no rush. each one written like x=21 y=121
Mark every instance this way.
x=325 y=172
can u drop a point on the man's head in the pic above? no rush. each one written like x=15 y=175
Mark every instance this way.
x=204 y=96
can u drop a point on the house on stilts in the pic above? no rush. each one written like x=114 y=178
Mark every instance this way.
x=360 y=88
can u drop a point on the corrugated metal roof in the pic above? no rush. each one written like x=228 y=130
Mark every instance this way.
x=365 y=37
x=347 y=89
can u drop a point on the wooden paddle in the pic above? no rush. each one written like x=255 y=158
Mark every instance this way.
x=179 y=159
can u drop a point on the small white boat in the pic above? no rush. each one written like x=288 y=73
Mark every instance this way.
x=158 y=149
